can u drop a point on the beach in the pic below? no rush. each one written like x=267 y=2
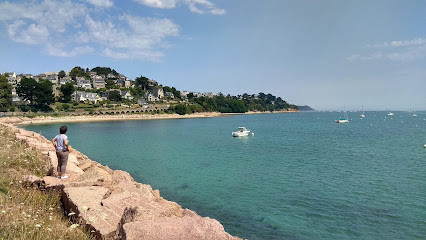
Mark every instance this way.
x=99 y=118
x=22 y=120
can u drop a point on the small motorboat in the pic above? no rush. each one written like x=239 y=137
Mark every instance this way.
x=390 y=114
x=242 y=132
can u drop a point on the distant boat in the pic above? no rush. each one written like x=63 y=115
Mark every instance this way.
x=414 y=115
x=390 y=114
x=242 y=132
x=362 y=115
x=345 y=119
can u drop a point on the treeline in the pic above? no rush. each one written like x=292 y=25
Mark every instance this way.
x=80 y=72
x=233 y=104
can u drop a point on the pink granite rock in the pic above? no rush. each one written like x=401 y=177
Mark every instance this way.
x=190 y=226
x=85 y=202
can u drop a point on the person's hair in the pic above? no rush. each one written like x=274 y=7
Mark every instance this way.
x=63 y=129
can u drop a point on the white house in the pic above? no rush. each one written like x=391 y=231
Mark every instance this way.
x=64 y=80
x=87 y=96
x=83 y=83
x=11 y=77
x=126 y=95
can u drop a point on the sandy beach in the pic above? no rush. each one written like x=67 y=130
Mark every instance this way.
x=99 y=118
x=18 y=120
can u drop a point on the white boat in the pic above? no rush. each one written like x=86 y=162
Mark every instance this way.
x=242 y=132
x=362 y=115
x=390 y=114
x=344 y=119
x=414 y=115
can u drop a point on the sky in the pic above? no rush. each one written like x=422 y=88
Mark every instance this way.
x=328 y=54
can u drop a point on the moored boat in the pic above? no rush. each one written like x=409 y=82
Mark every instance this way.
x=242 y=132
x=344 y=119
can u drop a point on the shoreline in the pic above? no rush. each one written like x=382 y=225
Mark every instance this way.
x=15 y=120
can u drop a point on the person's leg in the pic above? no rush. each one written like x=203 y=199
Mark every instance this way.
x=58 y=168
x=62 y=163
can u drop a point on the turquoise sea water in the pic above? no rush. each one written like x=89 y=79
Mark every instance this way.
x=301 y=176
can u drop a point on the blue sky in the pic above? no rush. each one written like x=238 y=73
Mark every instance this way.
x=326 y=54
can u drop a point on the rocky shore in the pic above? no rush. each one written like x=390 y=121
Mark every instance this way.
x=110 y=203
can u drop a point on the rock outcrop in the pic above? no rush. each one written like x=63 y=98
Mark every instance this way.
x=113 y=205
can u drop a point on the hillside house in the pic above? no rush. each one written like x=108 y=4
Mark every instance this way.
x=149 y=97
x=11 y=78
x=98 y=82
x=83 y=83
x=127 y=84
x=126 y=95
x=87 y=96
x=158 y=92
x=65 y=79
x=169 y=95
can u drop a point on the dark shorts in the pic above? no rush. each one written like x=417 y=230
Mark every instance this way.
x=62 y=161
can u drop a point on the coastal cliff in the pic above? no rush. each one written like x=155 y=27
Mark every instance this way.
x=111 y=204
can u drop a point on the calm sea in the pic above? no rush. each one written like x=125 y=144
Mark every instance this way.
x=301 y=176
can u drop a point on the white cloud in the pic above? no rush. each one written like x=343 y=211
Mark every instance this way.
x=68 y=29
x=416 y=41
x=374 y=56
x=402 y=50
x=165 y=4
x=58 y=50
x=33 y=23
x=101 y=3
x=33 y=34
x=143 y=38
x=400 y=43
x=196 y=6
x=353 y=57
x=154 y=56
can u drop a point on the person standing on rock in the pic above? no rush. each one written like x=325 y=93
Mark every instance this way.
x=61 y=144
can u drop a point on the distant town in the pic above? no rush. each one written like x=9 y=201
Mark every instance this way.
x=101 y=89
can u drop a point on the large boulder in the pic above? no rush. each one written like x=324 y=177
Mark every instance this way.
x=136 y=224
x=85 y=202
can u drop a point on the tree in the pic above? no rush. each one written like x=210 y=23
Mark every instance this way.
x=26 y=89
x=61 y=74
x=114 y=96
x=142 y=81
x=137 y=92
x=104 y=71
x=77 y=72
x=39 y=93
x=111 y=84
x=67 y=90
x=176 y=93
x=190 y=95
x=44 y=93
x=5 y=93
